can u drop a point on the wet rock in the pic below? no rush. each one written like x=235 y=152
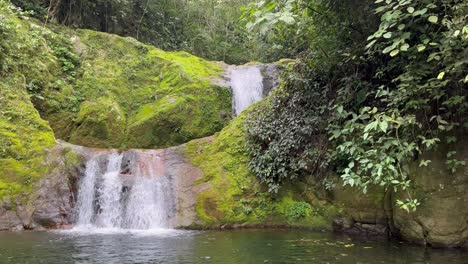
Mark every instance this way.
x=442 y=218
x=51 y=205
x=9 y=220
x=362 y=208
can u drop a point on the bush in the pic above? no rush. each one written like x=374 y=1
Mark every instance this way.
x=297 y=210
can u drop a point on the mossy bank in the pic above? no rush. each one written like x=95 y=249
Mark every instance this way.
x=234 y=196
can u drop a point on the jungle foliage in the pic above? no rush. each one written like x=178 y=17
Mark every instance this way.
x=385 y=84
x=375 y=85
x=206 y=28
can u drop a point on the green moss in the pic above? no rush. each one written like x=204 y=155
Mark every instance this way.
x=235 y=194
x=164 y=98
x=27 y=68
x=100 y=123
x=24 y=137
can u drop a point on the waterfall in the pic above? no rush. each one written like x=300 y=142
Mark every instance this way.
x=126 y=190
x=247 y=87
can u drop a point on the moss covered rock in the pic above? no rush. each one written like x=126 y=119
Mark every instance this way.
x=26 y=67
x=130 y=95
x=235 y=196
x=99 y=123
x=24 y=137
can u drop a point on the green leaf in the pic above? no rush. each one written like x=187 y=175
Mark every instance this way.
x=371 y=43
x=389 y=48
x=370 y=126
x=383 y=126
x=424 y=163
x=394 y=52
x=387 y=35
x=366 y=135
x=433 y=19
x=404 y=47
x=420 y=12
x=410 y=9
x=441 y=75
x=421 y=47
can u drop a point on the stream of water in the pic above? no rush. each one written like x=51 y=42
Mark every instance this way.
x=247 y=87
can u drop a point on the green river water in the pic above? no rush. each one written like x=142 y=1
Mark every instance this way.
x=237 y=246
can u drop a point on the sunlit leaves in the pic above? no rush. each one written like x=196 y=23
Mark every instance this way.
x=433 y=19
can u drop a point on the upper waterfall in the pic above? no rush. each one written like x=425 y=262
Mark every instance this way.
x=251 y=83
x=247 y=86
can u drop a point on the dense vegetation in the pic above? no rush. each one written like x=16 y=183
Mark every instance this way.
x=374 y=86
x=391 y=86
x=206 y=28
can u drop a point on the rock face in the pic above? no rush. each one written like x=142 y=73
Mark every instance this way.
x=440 y=221
x=364 y=213
x=442 y=217
x=50 y=204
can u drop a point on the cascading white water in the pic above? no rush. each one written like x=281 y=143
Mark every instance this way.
x=149 y=196
x=141 y=199
x=247 y=87
x=109 y=195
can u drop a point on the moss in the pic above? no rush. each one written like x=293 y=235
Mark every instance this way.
x=100 y=123
x=27 y=68
x=164 y=98
x=235 y=194
x=24 y=137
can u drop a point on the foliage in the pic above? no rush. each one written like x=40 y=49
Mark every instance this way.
x=297 y=210
x=287 y=137
x=286 y=28
x=286 y=141
x=203 y=27
x=392 y=97
x=419 y=97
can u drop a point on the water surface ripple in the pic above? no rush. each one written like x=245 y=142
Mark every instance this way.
x=239 y=246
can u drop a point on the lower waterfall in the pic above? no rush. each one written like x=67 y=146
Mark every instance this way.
x=125 y=190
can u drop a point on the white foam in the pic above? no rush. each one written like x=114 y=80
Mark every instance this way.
x=87 y=230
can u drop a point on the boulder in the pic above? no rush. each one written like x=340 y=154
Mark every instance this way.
x=442 y=218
